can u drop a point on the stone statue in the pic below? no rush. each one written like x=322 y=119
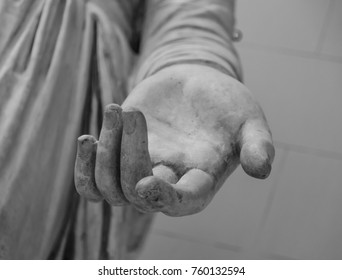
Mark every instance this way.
x=157 y=82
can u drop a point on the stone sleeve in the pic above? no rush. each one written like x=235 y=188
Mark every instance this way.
x=188 y=31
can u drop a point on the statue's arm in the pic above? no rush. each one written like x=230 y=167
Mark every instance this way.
x=188 y=31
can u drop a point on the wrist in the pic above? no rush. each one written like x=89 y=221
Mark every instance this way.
x=192 y=52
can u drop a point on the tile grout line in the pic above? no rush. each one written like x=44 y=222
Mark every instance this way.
x=196 y=240
x=287 y=149
x=308 y=150
x=218 y=244
x=323 y=33
x=291 y=52
x=271 y=195
x=253 y=246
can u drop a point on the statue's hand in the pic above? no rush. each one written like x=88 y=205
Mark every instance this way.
x=200 y=123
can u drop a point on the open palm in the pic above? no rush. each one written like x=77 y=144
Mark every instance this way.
x=193 y=125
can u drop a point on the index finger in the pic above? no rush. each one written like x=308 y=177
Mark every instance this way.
x=190 y=195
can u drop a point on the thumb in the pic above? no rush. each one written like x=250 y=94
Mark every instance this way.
x=257 y=151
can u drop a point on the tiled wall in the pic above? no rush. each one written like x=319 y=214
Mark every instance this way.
x=292 y=58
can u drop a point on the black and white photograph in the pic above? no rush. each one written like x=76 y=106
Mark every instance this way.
x=171 y=130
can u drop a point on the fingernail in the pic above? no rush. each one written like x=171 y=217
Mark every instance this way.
x=256 y=161
x=86 y=142
x=129 y=122
x=148 y=188
x=111 y=116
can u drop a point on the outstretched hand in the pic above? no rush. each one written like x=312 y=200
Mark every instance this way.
x=177 y=137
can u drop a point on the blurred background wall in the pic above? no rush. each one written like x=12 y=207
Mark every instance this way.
x=292 y=58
